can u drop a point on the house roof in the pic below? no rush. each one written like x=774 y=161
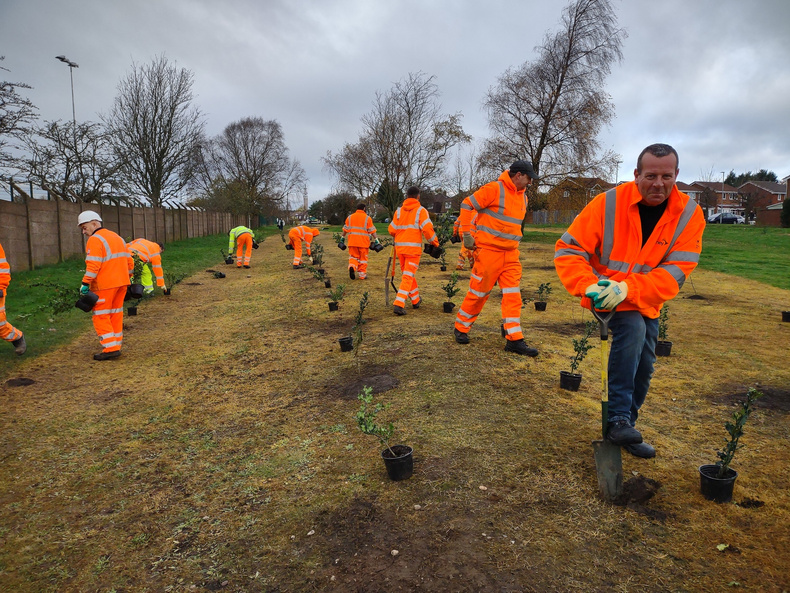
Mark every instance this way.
x=716 y=186
x=589 y=182
x=769 y=186
x=685 y=187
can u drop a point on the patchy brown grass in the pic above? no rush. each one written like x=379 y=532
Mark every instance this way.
x=220 y=452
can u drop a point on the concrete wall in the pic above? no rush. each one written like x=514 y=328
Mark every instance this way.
x=39 y=232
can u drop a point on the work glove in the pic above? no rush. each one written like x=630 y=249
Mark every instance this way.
x=592 y=291
x=84 y=289
x=311 y=260
x=612 y=295
x=469 y=241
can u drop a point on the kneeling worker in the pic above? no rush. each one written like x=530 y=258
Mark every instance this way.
x=108 y=268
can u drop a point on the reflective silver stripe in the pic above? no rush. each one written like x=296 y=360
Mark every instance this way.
x=433 y=238
x=414 y=291
x=500 y=216
x=478 y=278
x=93 y=258
x=107 y=250
x=116 y=256
x=91 y=274
x=399 y=244
x=464 y=323
x=610 y=210
x=465 y=206
x=513 y=330
x=511 y=320
x=498 y=233
x=465 y=314
x=641 y=269
x=511 y=289
x=477 y=293
x=108 y=344
x=402 y=293
x=410 y=274
x=563 y=252
x=403 y=227
x=683 y=256
x=105 y=336
x=618 y=266
x=675 y=272
x=474 y=202
x=688 y=212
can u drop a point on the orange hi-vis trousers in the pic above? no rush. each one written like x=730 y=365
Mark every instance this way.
x=7 y=331
x=108 y=318
x=464 y=255
x=358 y=259
x=243 y=243
x=492 y=266
x=408 y=281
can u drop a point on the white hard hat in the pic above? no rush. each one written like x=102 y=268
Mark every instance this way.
x=87 y=216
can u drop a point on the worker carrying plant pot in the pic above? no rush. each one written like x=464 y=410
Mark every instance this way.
x=500 y=206
x=150 y=254
x=409 y=223
x=632 y=248
x=295 y=237
x=242 y=238
x=465 y=254
x=108 y=269
x=7 y=331
x=358 y=231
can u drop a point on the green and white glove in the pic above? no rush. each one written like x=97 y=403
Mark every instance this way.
x=469 y=241
x=84 y=289
x=612 y=295
x=591 y=292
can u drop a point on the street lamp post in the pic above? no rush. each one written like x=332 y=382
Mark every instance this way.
x=722 y=195
x=71 y=65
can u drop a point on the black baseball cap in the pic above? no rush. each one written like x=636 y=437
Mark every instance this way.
x=521 y=166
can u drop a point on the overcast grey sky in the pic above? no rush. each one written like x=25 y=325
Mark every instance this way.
x=710 y=77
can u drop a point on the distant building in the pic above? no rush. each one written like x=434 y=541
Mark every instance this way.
x=574 y=193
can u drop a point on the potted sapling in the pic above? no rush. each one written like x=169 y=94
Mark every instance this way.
x=226 y=257
x=663 y=347
x=397 y=458
x=717 y=480
x=317 y=253
x=444 y=233
x=135 y=290
x=340 y=240
x=336 y=295
x=571 y=380
x=543 y=292
x=171 y=279
x=317 y=274
x=450 y=289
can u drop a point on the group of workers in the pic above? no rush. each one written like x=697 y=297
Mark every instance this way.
x=630 y=250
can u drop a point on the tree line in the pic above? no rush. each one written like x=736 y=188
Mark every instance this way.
x=152 y=142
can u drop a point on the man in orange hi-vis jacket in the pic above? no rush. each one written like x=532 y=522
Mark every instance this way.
x=7 y=331
x=358 y=230
x=464 y=255
x=108 y=268
x=501 y=207
x=295 y=236
x=631 y=249
x=150 y=254
x=409 y=222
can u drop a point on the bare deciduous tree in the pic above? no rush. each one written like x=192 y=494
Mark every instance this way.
x=250 y=161
x=550 y=111
x=17 y=113
x=405 y=140
x=76 y=163
x=154 y=129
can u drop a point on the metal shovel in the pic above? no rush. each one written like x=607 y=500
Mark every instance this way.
x=608 y=461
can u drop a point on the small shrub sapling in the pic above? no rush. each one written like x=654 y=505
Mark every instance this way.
x=356 y=330
x=543 y=292
x=663 y=323
x=450 y=289
x=734 y=428
x=337 y=293
x=582 y=345
x=366 y=419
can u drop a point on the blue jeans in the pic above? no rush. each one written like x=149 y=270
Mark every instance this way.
x=631 y=363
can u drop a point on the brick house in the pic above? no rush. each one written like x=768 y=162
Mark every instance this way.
x=438 y=202
x=715 y=197
x=573 y=193
x=758 y=195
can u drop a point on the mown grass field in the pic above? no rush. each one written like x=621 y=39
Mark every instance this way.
x=220 y=452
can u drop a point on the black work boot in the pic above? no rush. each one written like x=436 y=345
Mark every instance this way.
x=352 y=274
x=520 y=347
x=398 y=310
x=416 y=305
x=298 y=266
x=643 y=450
x=107 y=355
x=621 y=433
x=460 y=337
x=20 y=346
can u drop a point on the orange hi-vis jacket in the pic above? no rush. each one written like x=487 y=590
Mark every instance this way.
x=5 y=270
x=500 y=210
x=358 y=228
x=306 y=234
x=605 y=241
x=108 y=263
x=149 y=253
x=409 y=222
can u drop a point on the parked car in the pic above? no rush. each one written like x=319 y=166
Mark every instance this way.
x=726 y=218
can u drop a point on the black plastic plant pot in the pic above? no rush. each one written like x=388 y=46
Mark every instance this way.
x=570 y=381
x=540 y=305
x=166 y=292
x=448 y=307
x=320 y=271
x=228 y=260
x=219 y=275
x=346 y=344
x=713 y=488
x=342 y=246
x=502 y=329
x=288 y=247
x=136 y=290
x=443 y=268
x=663 y=348
x=87 y=301
x=327 y=284
x=785 y=315
x=333 y=306
x=132 y=311
x=401 y=466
